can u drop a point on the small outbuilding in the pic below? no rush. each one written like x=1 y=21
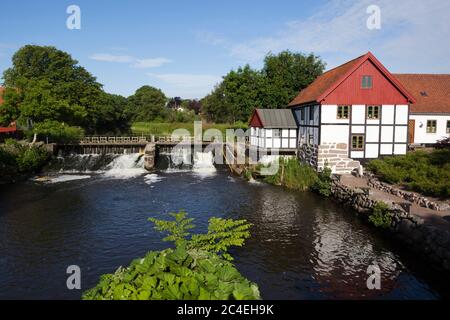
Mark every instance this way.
x=273 y=129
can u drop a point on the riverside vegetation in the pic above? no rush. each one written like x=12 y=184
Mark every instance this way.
x=20 y=160
x=198 y=267
x=296 y=175
x=425 y=172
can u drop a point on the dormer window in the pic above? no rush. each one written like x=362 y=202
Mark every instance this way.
x=366 y=82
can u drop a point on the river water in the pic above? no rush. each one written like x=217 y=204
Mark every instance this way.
x=302 y=246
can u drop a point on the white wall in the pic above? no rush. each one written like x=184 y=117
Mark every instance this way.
x=420 y=130
x=329 y=114
x=358 y=114
x=401 y=114
x=334 y=134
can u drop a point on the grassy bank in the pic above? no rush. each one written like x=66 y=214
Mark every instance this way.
x=157 y=128
x=18 y=161
x=295 y=175
x=424 y=172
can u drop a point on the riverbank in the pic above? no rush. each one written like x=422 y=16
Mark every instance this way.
x=21 y=160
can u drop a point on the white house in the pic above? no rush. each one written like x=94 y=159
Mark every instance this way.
x=352 y=113
x=429 y=117
x=273 y=129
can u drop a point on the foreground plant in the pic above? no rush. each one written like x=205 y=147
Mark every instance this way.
x=197 y=268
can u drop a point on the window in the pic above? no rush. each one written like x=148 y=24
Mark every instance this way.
x=431 y=126
x=366 y=82
x=373 y=112
x=311 y=113
x=342 y=112
x=448 y=126
x=357 y=142
x=302 y=114
x=276 y=133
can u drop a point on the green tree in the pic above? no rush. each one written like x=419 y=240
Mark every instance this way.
x=45 y=83
x=287 y=73
x=245 y=89
x=147 y=104
x=235 y=98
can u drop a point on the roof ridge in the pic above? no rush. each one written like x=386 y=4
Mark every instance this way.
x=341 y=65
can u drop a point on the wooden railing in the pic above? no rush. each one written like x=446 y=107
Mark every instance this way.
x=120 y=140
x=113 y=140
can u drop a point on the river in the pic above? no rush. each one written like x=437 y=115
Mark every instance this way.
x=302 y=246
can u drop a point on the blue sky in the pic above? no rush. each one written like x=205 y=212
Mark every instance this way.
x=185 y=47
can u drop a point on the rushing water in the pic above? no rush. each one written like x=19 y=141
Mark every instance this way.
x=95 y=216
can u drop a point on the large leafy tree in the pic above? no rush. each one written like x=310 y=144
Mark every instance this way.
x=147 y=104
x=235 y=97
x=45 y=83
x=279 y=81
x=287 y=73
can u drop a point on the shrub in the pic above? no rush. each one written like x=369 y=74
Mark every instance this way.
x=380 y=216
x=17 y=159
x=424 y=172
x=323 y=184
x=57 y=132
x=175 y=274
x=197 y=268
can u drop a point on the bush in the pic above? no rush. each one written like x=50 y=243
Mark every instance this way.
x=323 y=184
x=381 y=216
x=57 y=132
x=424 y=172
x=196 y=269
x=18 y=159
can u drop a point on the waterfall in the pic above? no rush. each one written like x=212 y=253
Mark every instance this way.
x=204 y=163
x=126 y=166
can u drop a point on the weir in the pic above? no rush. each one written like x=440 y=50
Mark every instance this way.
x=148 y=146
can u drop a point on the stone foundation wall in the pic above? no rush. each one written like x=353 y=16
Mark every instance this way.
x=430 y=242
x=335 y=156
x=409 y=196
x=308 y=154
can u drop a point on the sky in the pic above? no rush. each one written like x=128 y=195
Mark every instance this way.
x=185 y=47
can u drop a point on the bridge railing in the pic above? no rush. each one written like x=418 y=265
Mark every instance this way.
x=139 y=139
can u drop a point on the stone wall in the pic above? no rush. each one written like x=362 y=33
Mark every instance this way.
x=422 y=201
x=308 y=154
x=335 y=156
x=430 y=241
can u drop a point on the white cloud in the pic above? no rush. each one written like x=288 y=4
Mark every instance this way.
x=186 y=85
x=111 y=58
x=413 y=36
x=150 y=63
x=133 y=61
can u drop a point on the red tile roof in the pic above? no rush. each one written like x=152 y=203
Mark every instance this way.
x=432 y=91
x=328 y=81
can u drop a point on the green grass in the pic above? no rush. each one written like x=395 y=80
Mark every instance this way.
x=293 y=175
x=424 y=172
x=156 y=128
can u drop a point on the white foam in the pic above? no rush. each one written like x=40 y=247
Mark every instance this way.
x=152 y=178
x=126 y=166
x=65 y=178
x=204 y=164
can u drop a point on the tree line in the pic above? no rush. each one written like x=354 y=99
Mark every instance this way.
x=47 y=92
x=274 y=86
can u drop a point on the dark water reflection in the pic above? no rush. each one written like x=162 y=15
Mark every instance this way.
x=302 y=247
